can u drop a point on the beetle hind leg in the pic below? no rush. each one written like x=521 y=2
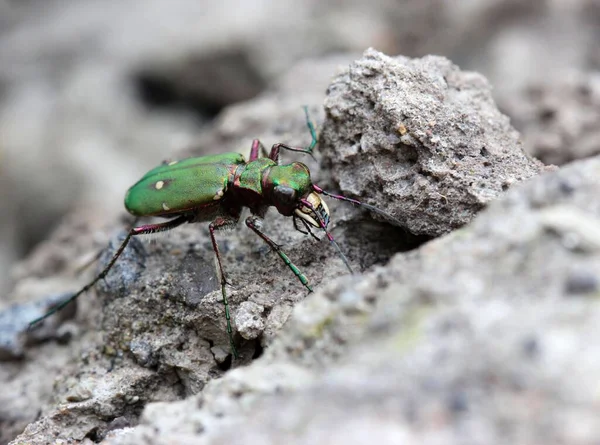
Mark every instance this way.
x=134 y=231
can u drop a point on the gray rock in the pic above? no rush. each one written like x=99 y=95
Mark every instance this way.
x=250 y=323
x=470 y=339
x=71 y=112
x=15 y=329
x=421 y=137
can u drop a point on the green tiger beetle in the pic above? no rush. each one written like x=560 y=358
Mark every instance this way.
x=215 y=188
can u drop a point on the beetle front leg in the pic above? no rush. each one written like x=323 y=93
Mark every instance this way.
x=219 y=224
x=253 y=222
x=306 y=225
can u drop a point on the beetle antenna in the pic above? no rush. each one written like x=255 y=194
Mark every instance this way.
x=373 y=209
x=329 y=236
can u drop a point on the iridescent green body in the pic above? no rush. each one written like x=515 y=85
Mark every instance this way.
x=182 y=185
x=214 y=185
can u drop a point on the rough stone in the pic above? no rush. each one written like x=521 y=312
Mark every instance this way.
x=421 y=137
x=472 y=338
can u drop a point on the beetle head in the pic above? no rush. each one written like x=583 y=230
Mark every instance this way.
x=286 y=186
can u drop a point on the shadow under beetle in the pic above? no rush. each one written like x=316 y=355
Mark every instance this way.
x=215 y=188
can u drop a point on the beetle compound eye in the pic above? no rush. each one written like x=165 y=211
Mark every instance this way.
x=285 y=195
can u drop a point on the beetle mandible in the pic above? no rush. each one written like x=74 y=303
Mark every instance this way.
x=215 y=189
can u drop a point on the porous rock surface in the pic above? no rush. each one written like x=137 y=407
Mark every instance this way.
x=422 y=138
x=482 y=336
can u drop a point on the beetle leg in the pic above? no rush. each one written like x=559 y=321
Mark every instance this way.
x=306 y=225
x=141 y=230
x=256 y=146
x=253 y=222
x=275 y=151
x=294 y=218
x=219 y=224
x=274 y=155
x=96 y=257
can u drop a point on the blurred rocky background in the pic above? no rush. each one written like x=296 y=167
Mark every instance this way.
x=93 y=93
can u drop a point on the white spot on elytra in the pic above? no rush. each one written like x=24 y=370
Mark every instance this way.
x=165 y=207
x=159 y=185
x=172 y=162
x=218 y=196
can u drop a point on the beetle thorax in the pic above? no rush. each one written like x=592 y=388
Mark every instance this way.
x=248 y=183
